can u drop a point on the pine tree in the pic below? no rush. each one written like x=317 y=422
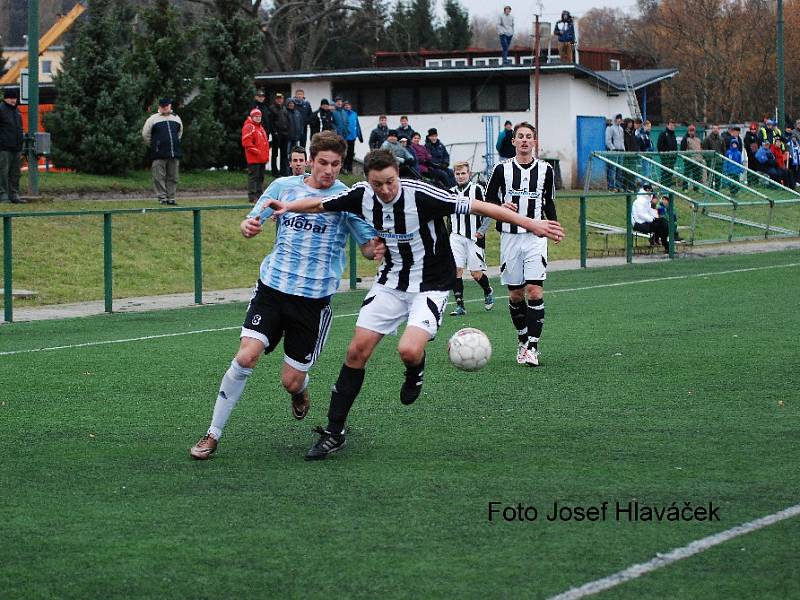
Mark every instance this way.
x=232 y=42
x=163 y=58
x=422 y=21
x=455 y=33
x=96 y=122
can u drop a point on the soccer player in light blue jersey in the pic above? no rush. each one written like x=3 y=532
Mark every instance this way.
x=296 y=281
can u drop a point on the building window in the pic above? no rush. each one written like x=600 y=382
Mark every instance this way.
x=433 y=62
x=459 y=98
x=47 y=67
x=401 y=100
x=454 y=62
x=518 y=96
x=487 y=62
x=488 y=97
x=430 y=100
x=614 y=64
x=526 y=60
x=347 y=93
x=373 y=101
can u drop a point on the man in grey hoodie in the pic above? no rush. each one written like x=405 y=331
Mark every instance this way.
x=505 y=29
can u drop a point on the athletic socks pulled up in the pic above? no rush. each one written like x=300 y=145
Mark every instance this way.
x=230 y=390
x=535 y=321
x=520 y=320
x=343 y=394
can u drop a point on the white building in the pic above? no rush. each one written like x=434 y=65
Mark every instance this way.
x=454 y=99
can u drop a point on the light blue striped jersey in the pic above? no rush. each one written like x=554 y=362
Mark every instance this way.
x=308 y=257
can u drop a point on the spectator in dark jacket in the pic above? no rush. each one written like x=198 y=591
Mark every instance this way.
x=10 y=147
x=323 y=118
x=304 y=106
x=279 y=132
x=260 y=102
x=629 y=162
x=713 y=141
x=379 y=134
x=504 y=146
x=340 y=118
x=297 y=125
x=667 y=142
x=162 y=132
x=565 y=30
x=405 y=129
x=440 y=158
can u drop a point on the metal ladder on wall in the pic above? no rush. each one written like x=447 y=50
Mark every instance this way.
x=630 y=94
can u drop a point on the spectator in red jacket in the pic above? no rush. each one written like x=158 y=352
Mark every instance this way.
x=256 y=151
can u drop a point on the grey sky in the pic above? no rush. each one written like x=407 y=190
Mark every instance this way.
x=551 y=9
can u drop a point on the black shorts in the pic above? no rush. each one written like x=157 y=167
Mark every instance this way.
x=304 y=321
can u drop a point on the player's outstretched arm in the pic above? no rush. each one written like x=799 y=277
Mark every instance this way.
x=304 y=205
x=542 y=228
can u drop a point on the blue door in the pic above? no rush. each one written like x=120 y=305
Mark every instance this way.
x=591 y=138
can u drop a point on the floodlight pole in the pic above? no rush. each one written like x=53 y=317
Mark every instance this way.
x=33 y=95
x=781 y=98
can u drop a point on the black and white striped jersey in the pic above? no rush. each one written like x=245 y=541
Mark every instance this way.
x=467 y=224
x=531 y=187
x=418 y=256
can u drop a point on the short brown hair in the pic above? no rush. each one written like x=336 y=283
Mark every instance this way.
x=377 y=160
x=524 y=124
x=298 y=150
x=462 y=164
x=327 y=140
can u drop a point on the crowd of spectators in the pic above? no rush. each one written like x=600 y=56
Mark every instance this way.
x=763 y=148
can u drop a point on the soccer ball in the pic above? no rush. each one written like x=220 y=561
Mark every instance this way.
x=469 y=349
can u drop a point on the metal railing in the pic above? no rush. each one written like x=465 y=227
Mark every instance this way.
x=197 y=241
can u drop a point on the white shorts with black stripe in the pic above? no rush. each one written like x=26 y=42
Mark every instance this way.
x=467 y=253
x=305 y=323
x=385 y=309
x=523 y=258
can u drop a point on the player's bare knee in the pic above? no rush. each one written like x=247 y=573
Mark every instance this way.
x=410 y=354
x=476 y=275
x=534 y=292
x=516 y=296
x=293 y=382
x=247 y=358
x=357 y=356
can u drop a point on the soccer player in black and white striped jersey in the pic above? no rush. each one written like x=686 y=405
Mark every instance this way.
x=414 y=280
x=467 y=240
x=524 y=184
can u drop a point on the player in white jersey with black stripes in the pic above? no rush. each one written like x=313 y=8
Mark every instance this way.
x=468 y=241
x=525 y=184
x=296 y=282
x=413 y=282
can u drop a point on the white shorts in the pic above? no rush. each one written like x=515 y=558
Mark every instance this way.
x=384 y=310
x=523 y=257
x=467 y=253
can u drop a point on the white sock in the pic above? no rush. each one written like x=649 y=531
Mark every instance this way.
x=230 y=390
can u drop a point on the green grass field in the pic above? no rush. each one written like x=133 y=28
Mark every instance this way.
x=672 y=381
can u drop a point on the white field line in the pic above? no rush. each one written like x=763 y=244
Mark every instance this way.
x=577 y=289
x=663 y=560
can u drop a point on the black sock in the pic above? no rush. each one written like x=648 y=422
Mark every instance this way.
x=458 y=291
x=414 y=371
x=343 y=395
x=484 y=283
x=535 y=319
x=518 y=317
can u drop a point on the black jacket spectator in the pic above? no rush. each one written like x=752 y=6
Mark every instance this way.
x=164 y=133
x=10 y=128
x=667 y=142
x=322 y=119
x=378 y=136
x=278 y=119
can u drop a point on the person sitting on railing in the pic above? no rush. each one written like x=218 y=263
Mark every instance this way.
x=645 y=219
x=440 y=157
x=778 y=150
x=436 y=176
x=765 y=162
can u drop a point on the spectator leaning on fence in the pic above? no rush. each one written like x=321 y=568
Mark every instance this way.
x=162 y=132
x=615 y=142
x=667 y=142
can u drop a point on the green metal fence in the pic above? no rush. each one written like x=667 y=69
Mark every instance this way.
x=108 y=255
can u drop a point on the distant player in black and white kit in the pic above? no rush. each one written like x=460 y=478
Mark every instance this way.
x=468 y=241
x=414 y=279
x=525 y=184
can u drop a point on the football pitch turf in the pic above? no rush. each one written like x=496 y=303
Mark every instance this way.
x=664 y=383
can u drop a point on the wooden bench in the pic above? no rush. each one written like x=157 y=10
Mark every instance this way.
x=606 y=230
